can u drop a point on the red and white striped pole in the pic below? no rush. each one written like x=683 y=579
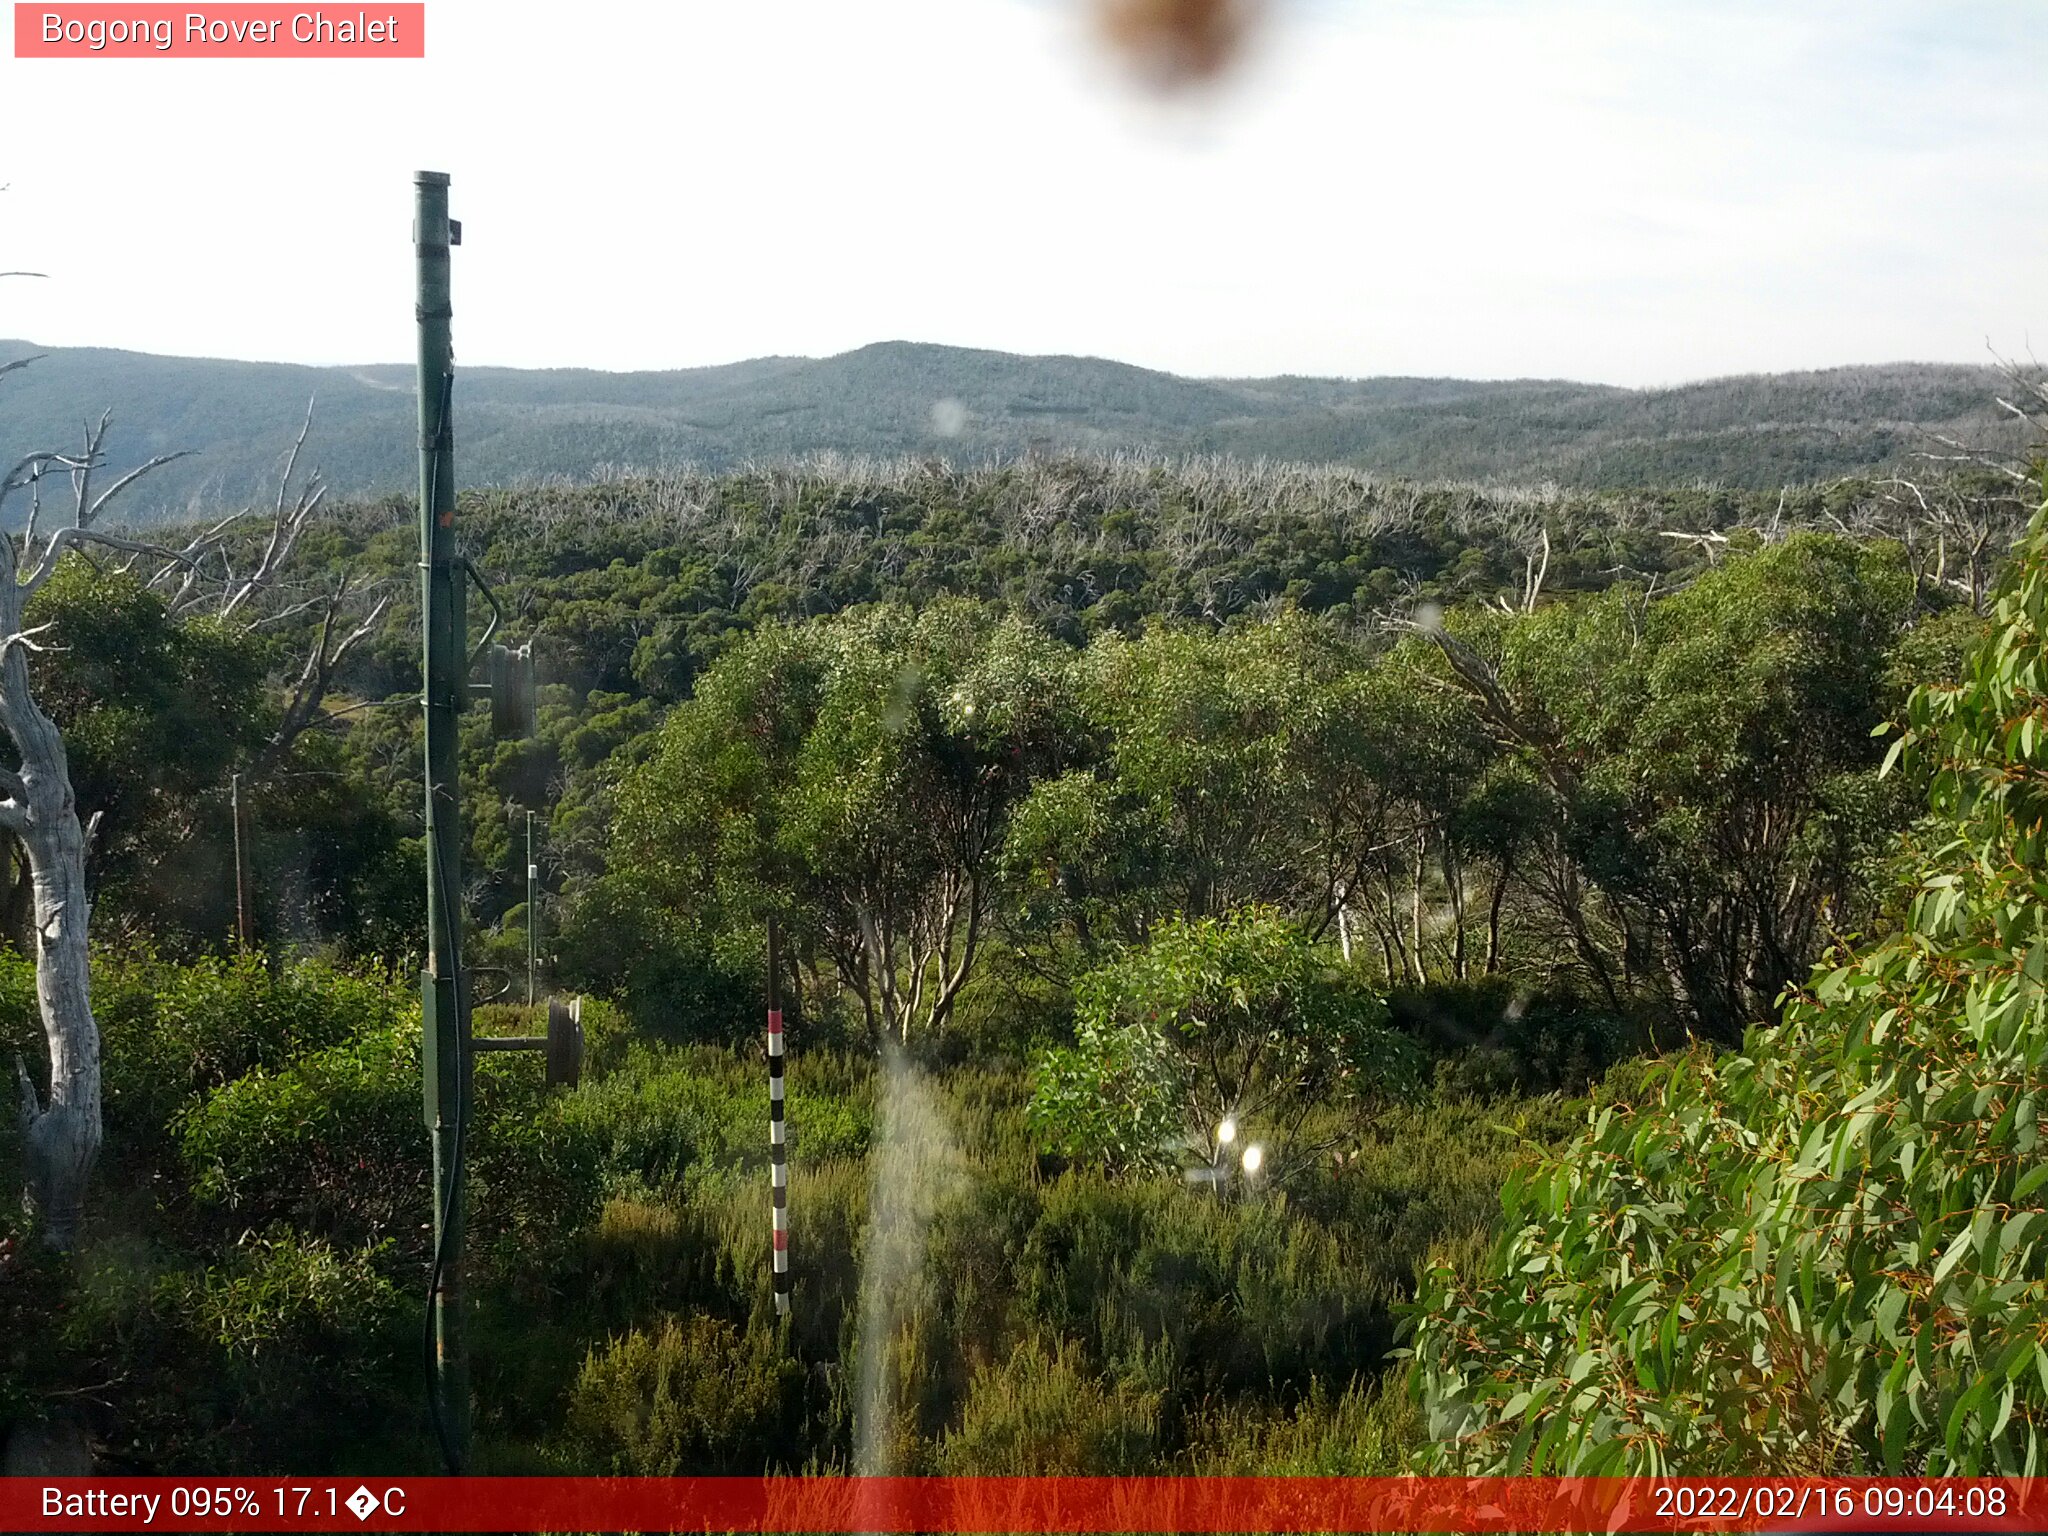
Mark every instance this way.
x=778 y=1150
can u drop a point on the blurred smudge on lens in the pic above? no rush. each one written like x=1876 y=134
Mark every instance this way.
x=1172 y=43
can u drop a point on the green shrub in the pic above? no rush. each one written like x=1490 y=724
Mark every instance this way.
x=1494 y=1035
x=663 y=1112
x=1235 y=1018
x=333 y=1142
x=279 y=1357
x=696 y=1396
x=677 y=987
x=1360 y=1431
x=1246 y=1294
x=1827 y=1251
x=1044 y=1412
x=174 y=1031
x=1419 y=1178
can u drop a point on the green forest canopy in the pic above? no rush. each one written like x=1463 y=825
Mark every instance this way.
x=1076 y=781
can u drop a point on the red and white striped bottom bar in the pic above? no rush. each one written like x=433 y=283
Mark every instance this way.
x=1025 y=1504
x=778 y=1168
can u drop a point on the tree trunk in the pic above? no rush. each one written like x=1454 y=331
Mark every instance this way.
x=61 y=1133
x=1500 y=891
x=1454 y=885
x=1415 y=908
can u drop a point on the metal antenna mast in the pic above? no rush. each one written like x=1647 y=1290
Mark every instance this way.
x=444 y=1055
x=448 y=1048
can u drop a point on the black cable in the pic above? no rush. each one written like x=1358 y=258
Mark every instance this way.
x=436 y=1409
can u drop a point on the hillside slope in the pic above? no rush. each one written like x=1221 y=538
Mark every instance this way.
x=239 y=418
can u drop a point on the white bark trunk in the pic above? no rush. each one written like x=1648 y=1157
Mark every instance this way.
x=61 y=1130
x=63 y=1133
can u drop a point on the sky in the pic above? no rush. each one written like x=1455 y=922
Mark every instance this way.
x=1635 y=192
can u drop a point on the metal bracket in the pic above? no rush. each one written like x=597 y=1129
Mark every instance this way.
x=562 y=1044
x=497 y=612
x=510 y=687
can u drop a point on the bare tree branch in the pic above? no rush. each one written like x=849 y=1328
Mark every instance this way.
x=287 y=523
x=25 y=638
x=100 y=504
x=70 y=538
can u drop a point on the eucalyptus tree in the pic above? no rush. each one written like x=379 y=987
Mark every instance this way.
x=1824 y=1250
x=1707 y=761
x=857 y=776
x=1218 y=1041
x=1275 y=761
x=1209 y=777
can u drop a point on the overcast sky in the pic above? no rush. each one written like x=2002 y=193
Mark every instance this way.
x=1631 y=191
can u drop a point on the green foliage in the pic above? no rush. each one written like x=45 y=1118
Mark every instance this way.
x=1045 y=1412
x=622 y=939
x=1233 y=1018
x=155 y=710
x=329 y=859
x=1260 y=763
x=275 y=1356
x=1824 y=1251
x=1706 y=763
x=1362 y=1431
x=1102 y=758
x=857 y=777
x=1239 y=1296
x=696 y=1397
x=271 y=1240
x=174 y=1031
x=1496 y=1030
x=331 y=1142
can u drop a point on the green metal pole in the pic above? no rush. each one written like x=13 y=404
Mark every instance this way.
x=532 y=915
x=445 y=1054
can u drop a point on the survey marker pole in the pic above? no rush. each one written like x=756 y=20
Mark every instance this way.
x=778 y=1141
x=445 y=1054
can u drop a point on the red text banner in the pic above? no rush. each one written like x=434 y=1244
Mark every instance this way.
x=1040 y=1504
x=382 y=31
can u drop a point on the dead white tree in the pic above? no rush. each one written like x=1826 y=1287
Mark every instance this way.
x=240 y=570
x=341 y=611
x=1534 y=541
x=61 y=1127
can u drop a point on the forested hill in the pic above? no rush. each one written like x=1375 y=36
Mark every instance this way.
x=238 y=419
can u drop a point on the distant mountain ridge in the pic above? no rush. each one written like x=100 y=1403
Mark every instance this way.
x=892 y=398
